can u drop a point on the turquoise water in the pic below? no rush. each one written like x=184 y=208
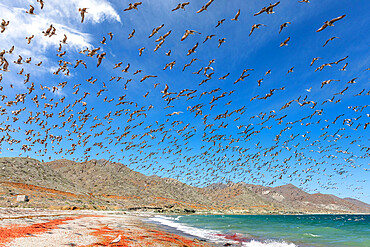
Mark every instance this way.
x=275 y=230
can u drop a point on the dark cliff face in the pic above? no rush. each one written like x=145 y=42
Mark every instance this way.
x=99 y=182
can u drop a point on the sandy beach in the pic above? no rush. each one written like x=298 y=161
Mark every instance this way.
x=35 y=227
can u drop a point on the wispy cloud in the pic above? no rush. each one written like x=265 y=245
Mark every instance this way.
x=57 y=13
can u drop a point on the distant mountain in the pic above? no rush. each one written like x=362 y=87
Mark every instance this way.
x=99 y=184
x=356 y=202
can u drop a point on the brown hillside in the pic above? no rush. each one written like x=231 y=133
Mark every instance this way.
x=101 y=184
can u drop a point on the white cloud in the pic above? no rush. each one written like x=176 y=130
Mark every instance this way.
x=58 y=13
x=55 y=12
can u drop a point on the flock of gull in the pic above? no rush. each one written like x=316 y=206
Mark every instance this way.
x=209 y=139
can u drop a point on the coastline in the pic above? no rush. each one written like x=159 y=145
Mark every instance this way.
x=28 y=227
x=88 y=228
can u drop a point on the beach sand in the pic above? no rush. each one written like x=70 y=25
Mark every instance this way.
x=31 y=227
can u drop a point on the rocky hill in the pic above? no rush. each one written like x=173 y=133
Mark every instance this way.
x=99 y=184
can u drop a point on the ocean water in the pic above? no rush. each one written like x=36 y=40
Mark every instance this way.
x=274 y=230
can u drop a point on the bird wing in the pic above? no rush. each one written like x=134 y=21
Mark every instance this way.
x=322 y=28
x=275 y=4
x=177 y=7
x=185 y=36
x=326 y=42
x=281 y=28
x=253 y=27
x=260 y=12
x=337 y=19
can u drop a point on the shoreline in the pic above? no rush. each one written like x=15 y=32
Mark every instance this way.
x=89 y=228
x=49 y=228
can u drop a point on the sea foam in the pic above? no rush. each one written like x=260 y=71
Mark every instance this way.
x=255 y=243
x=210 y=235
x=213 y=235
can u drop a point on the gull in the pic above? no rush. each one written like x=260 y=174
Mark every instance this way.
x=285 y=43
x=314 y=59
x=304 y=1
x=117 y=65
x=117 y=240
x=344 y=67
x=126 y=69
x=31 y=10
x=340 y=60
x=187 y=33
x=352 y=81
x=133 y=6
x=147 y=76
x=19 y=61
x=47 y=32
x=78 y=62
x=332 y=38
x=211 y=62
x=259 y=82
x=159 y=45
x=290 y=70
x=326 y=82
x=330 y=23
x=236 y=16
x=187 y=65
x=254 y=27
x=268 y=10
x=162 y=38
x=64 y=41
x=6 y=65
x=205 y=6
x=171 y=64
x=103 y=41
x=3 y=25
x=131 y=34
x=168 y=53
x=220 y=41
x=224 y=77
x=155 y=30
x=141 y=51
x=197 y=73
x=209 y=37
x=341 y=93
x=41 y=3
x=110 y=35
x=100 y=58
x=83 y=12
x=29 y=39
x=220 y=22
x=181 y=6
x=61 y=54
x=192 y=50
x=175 y=113
x=283 y=25
x=309 y=90
x=165 y=91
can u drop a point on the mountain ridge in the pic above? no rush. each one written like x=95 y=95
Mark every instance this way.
x=99 y=184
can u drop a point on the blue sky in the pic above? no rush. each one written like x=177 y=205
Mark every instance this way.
x=320 y=154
